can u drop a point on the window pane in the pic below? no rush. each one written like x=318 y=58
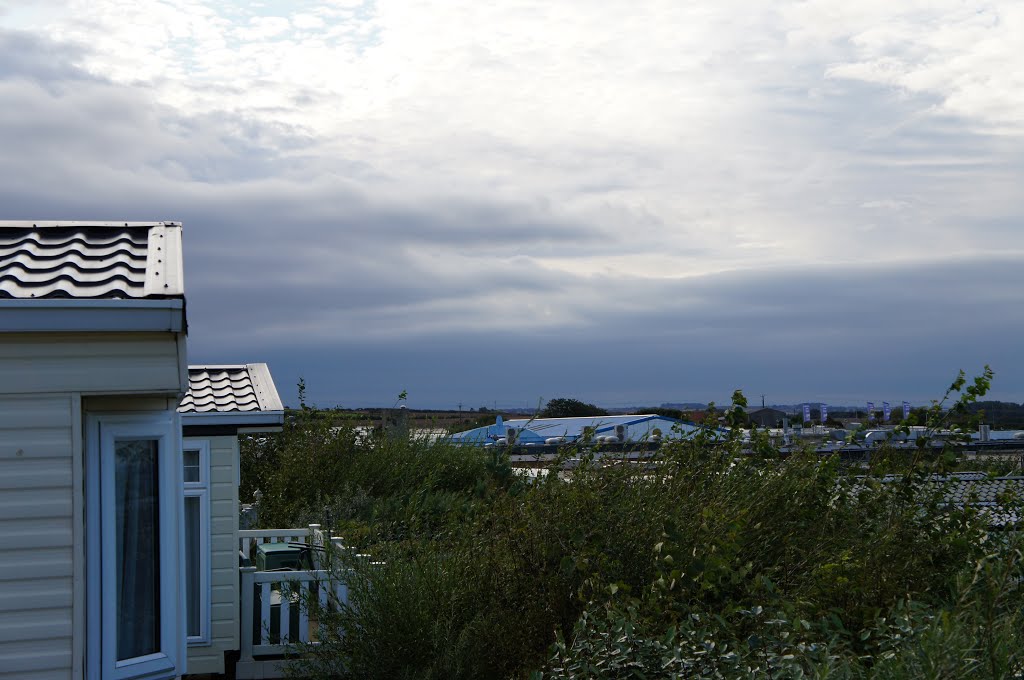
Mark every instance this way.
x=191 y=465
x=137 y=561
x=192 y=559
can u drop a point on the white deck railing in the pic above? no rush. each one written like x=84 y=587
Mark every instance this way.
x=276 y=608
x=279 y=608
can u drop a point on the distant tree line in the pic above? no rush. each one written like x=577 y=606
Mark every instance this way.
x=563 y=407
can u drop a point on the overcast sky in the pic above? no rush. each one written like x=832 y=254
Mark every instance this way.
x=507 y=201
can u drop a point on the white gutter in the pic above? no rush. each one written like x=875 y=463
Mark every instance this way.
x=67 y=315
x=241 y=419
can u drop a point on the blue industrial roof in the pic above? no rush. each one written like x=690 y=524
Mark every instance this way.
x=562 y=426
x=536 y=430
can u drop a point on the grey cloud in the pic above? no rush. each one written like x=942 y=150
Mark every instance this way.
x=29 y=57
x=845 y=334
x=64 y=127
x=326 y=268
x=103 y=147
x=340 y=215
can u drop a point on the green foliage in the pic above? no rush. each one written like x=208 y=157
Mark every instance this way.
x=978 y=635
x=702 y=563
x=379 y=488
x=570 y=408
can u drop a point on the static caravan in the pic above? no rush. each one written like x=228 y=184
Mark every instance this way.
x=222 y=402
x=92 y=369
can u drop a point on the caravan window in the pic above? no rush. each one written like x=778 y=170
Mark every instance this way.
x=196 y=470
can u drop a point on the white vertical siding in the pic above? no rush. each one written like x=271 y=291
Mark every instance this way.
x=36 y=535
x=224 y=604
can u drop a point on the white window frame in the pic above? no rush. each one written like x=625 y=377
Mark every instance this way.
x=102 y=433
x=201 y=490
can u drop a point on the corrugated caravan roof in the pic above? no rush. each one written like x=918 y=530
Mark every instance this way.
x=982 y=492
x=972 y=488
x=90 y=260
x=230 y=389
x=999 y=499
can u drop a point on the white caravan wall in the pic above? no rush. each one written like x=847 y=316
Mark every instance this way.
x=36 y=536
x=97 y=363
x=224 y=614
